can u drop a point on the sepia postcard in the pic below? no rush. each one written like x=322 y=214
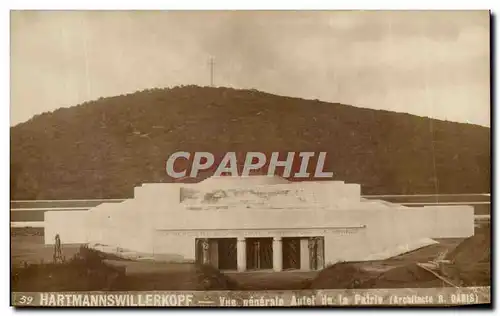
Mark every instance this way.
x=250 y=158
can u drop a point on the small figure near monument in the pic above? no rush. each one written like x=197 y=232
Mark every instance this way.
x=57 y=250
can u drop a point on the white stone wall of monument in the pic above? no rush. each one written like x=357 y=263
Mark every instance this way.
x=120 y=225
x=334 y=194
x=395 y=227
x=342 y=247
x=399 y=249
x=146 y=223
x=354 y=192
x=294 y=194
x=240 y=182
x=399 y=229
x=98 y=220
x=70 y=225
x=345 y=195
x=422 y=222
x=412 y=225
x=259 y=219
x=386 y=235
x=94 y=226
x=379 y=230
x=452 y=221
x=385 y=230
x=328 y=194
x=135 y=238
x=174 y=246
x=102 y=221
x=152 y=193
x=137 y=191
x=388 y=231
x=322 y=194
x=275 y=196
x=437 y=222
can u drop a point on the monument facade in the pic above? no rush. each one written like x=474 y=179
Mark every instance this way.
x=259 y=223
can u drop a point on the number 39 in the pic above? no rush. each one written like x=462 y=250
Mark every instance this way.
x=25 y=300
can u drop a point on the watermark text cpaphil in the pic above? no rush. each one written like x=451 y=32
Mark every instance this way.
x=183 y=164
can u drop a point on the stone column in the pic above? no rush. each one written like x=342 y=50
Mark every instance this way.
x=241 y=254
x=304 y=255
x=277 y=254
x=313 y=256
x=214 y=253
x=321 y=253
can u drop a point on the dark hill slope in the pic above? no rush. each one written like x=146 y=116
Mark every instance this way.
x=102 y=149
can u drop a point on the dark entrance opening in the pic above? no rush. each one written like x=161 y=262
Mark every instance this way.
x=291 y=253
x=259 y=253
x=227 y=253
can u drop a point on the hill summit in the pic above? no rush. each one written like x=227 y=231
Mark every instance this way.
x=103 y=148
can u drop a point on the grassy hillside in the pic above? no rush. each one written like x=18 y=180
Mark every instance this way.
x=103 y=148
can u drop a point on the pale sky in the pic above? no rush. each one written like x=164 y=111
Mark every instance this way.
x=425 y=63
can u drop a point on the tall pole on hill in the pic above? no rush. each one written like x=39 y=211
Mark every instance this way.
x=212 y=63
